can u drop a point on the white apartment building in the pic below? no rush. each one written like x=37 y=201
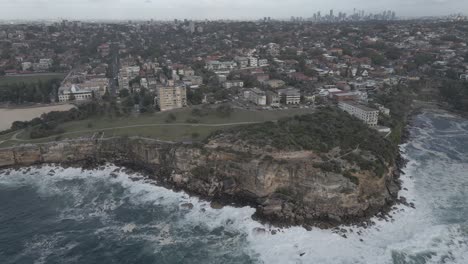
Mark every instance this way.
x=234 y=83
x=366 y=114
x=256 y=96
x=26 y=65
x=253 y=62
x=79 y=94
x=171 y=97
x=262 y=62
x=221 y=65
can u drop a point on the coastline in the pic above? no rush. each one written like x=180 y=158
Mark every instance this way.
x=35 y=155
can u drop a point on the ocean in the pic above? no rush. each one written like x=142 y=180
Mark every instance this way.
x=51 y=214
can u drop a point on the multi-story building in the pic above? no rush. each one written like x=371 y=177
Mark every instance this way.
x=256 y=96
x=275 y=83
x=98 y=85
x=366 y=114
x=127 y=74
x=233 y=83
x=171 y=97
x=221 y=65
x=290 y=96
x=253 y=62
x=262 y=62
x=26 y=66
x=74 y=93
x=273 y=99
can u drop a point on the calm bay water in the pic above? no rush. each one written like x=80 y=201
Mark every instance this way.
x=56 y=215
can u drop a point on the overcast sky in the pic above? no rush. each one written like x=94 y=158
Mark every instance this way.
x=214 y=9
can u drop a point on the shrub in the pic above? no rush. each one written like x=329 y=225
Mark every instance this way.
x=351 y=177
x=171 y=118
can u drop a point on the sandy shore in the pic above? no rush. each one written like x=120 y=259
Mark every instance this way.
x=10 y=115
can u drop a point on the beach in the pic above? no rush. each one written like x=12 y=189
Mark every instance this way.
x=10 y=115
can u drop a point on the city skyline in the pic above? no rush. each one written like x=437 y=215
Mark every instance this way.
x=216 y=9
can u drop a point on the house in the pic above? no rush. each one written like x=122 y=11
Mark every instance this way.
x=256 y=96
x=299 y=76
x=344 y=96
x=242 y=62
x=290 y=96
x=233 y=83
x=273 y=49
x=262 y=77
x=104 y=49
x=366 y=114
x=275 y=84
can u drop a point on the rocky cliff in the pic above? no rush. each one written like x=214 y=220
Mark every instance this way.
x=286 y=187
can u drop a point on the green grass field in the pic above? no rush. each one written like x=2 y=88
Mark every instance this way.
x=30 y=78
x=156 y=125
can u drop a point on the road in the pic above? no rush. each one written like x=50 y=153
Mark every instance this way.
x=114 y=69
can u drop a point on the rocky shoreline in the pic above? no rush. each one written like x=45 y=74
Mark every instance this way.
x=234 y=177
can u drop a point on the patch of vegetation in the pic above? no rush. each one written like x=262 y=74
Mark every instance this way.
x=203 y=173
x=329 y=166
x=322 y=131
x=351 y=177
x=171 y=118
x=46 y=130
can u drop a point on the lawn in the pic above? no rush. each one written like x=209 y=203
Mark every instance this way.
x=30 y=78
x=156 y=125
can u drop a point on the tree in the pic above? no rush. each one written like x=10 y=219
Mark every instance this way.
x=124 y=93
x=194 y=97
x=224 y=111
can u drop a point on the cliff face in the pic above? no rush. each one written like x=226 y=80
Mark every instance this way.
x=286 y=187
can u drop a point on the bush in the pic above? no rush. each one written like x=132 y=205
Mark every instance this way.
x=46 y=130
x=224 y=111
x=171 y=118
x=351 y=177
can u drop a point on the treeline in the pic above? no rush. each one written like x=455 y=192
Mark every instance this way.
x=34 y=92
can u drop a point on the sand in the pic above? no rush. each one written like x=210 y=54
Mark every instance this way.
x=10 y=115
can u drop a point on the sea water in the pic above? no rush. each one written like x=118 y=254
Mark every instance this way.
x=66 y=215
